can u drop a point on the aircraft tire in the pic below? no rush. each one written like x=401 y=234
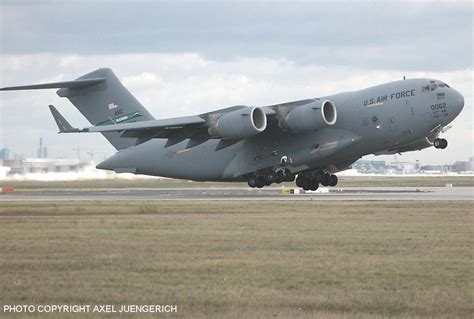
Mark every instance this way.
x=333 y=180
x=299 y=181
x=307 y=185
x=314 y=185
x=270 y=178
x=444 y=143
x=253 y=181
x=319 y=176
x=280 y=177
x=303 y=182
x=325 y=180
x=289 y=176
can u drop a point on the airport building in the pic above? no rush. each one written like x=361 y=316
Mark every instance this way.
x=4 y=154
x=411 y=168
x=42 y=151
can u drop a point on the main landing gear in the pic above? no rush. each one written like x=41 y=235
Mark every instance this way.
x=311 y=181
x=266 y=179
x=305 y=180
x=440 y=143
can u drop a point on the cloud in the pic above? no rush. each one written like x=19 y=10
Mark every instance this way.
x=386 y=35
x=142 y=79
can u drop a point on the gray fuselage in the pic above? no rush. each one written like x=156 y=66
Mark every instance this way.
x=394 y=117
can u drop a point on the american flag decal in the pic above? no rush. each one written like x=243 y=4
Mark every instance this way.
x=112 y=106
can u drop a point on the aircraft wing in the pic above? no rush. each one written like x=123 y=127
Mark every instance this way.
x=274 y=109
x=175 y=130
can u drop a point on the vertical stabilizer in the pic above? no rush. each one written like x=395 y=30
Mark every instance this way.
x=107 y=103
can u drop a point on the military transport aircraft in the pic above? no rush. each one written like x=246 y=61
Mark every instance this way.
x=309 y=140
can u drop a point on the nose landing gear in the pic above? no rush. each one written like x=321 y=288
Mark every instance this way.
x=440 y=143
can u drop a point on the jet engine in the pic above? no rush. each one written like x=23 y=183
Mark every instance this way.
x=239 y=124
x=310 y=116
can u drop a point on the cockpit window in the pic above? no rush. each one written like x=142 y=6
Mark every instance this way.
x=433 y=86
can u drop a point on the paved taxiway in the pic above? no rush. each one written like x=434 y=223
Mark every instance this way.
x=240 y=194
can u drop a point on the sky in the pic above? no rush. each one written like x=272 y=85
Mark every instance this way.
x=184 y=58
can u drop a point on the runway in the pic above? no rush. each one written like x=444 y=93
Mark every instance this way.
x=240 y=194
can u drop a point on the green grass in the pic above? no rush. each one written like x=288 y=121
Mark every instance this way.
x=243 y=260
x=344 y=181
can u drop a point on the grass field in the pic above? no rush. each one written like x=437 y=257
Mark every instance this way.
x=243 y=260
x=344 y=181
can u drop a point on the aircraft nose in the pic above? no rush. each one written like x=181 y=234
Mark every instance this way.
x=458 y=101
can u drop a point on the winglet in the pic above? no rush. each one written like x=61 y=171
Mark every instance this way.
x=63 y=125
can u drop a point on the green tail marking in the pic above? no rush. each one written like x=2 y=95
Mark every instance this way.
x=120 y=119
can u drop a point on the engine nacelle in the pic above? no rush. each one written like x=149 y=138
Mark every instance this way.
x=310 y=116
x=239 y=124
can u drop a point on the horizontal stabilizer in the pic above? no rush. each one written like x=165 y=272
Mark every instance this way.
x=83 y=83
x=63 y=125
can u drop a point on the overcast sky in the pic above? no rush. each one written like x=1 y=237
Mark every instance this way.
x=181 y=58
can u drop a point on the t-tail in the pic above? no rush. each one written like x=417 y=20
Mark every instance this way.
x=102 y=99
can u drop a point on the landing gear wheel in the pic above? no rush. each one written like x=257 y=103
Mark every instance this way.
x=280 y=177
x=319 y=176
x=270 y=178
x=314 y=185
x=444 y=144
x=253 y=181
x=261 y=182
x=304 y=182
x=325 y=180
x=299 y=181
x=333 y=180
x=440 y=143
x=289 y=176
